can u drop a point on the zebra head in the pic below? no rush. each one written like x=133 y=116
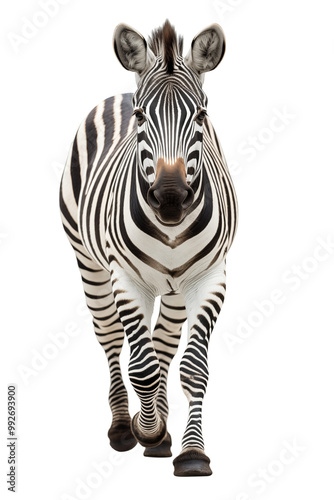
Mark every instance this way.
x=170 y=107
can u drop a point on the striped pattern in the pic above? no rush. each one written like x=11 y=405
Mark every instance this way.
x=173 y=100
x=127 y=257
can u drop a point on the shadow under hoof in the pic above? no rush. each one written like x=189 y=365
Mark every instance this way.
x=163 y=450
x=121 y=437
x=192 y=462
x=146 y=440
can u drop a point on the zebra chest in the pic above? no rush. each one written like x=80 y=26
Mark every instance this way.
x=161 y=257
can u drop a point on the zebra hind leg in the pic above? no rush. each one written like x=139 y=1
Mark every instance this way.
x=166 y=337
x=110 y=334
x=100 y=301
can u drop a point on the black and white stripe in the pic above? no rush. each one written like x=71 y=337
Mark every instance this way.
x=127 y=256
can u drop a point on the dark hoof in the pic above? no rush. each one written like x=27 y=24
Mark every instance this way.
x=163 y=450
x=147 y=440
x=192 y=462
x=121 y=437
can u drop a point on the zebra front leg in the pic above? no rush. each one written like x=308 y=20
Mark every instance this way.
x=166 y=337
x=110 y=334
x=203 y=298
x=134 y=302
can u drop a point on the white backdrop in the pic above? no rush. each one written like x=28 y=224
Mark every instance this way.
x=268 y=417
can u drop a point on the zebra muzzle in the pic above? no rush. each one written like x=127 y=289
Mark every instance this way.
x=170 y=196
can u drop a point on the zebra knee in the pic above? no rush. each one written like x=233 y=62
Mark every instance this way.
x=194 y=376
x=193 y=384
x=144 y=373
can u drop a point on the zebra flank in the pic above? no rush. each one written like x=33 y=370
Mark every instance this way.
x=150 y=210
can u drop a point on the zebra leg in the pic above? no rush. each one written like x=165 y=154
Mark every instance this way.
x=100 y=301
x=204 y=299
x=134 y=302
x=110 y=334
x=166 y=337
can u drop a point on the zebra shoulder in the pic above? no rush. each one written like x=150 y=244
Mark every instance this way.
x=108 y=123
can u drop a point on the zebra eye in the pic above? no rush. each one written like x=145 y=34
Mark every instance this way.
x=200 y=117
x=140 y=116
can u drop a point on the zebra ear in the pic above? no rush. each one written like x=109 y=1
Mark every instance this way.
x=207 y=49
x=131 y=49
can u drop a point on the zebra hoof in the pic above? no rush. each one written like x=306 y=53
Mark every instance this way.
x=162 y=450
x=192 y=462
x=121 y=437
x=146 y=440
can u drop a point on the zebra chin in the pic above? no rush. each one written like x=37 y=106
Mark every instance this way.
x=170 y=197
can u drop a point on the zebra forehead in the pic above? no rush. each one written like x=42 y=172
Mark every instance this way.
x=177 y=96
x=172 y=88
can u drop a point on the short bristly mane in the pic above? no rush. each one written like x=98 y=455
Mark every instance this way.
x=165 y=42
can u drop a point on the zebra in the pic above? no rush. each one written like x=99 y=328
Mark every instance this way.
x=149 y=207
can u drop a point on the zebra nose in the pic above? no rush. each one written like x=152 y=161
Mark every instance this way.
x=170 y=195
x=153 y=198
x=181 y=197
x=188 y=199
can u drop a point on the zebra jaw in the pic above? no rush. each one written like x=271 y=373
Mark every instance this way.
x=170 y=196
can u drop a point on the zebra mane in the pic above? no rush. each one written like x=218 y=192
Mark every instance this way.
x=164 y=41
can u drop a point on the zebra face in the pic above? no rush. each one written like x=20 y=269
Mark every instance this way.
x=170 y=118
x=170 y=107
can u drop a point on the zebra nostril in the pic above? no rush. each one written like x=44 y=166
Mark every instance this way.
x=189 y=198
x=152 y=198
